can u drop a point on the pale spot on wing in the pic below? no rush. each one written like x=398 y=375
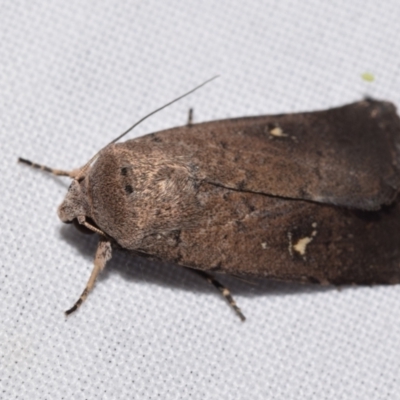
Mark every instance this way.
x=277 y=132
x=300 y=246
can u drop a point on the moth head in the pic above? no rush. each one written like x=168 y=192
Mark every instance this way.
x=72 y=206
x=75 y=207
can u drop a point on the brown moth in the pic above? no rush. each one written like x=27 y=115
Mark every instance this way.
x=309 y=197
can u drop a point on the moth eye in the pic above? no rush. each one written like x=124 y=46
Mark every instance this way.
x=124 y=171
x=128 y=189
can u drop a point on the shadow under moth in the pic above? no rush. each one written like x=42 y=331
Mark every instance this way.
x=309 y=197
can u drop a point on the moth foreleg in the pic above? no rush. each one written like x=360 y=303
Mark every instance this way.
x=103 y=254
x=53 y=171
x=224 y=291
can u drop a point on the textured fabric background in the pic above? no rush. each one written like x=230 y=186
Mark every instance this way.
x=73 y=76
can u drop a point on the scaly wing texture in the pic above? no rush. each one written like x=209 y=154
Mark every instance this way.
x=255 y=235
x=347 y=156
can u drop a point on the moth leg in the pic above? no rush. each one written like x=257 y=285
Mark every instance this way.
x=103 y=254
x=82 y=221
x=224 y=291
x=53 y=171
x=190 y=117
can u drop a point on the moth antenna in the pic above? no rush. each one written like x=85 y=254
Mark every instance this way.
x=86 y=166
x=58 y=172
x=161 y=108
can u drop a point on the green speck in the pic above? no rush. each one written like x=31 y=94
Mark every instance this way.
x=367 y=76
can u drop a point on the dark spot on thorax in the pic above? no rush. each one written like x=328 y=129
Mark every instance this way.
x=128 y=189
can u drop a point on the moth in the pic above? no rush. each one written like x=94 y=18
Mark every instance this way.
x=309 y=197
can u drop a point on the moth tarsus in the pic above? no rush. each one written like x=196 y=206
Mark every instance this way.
x=72 y=309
